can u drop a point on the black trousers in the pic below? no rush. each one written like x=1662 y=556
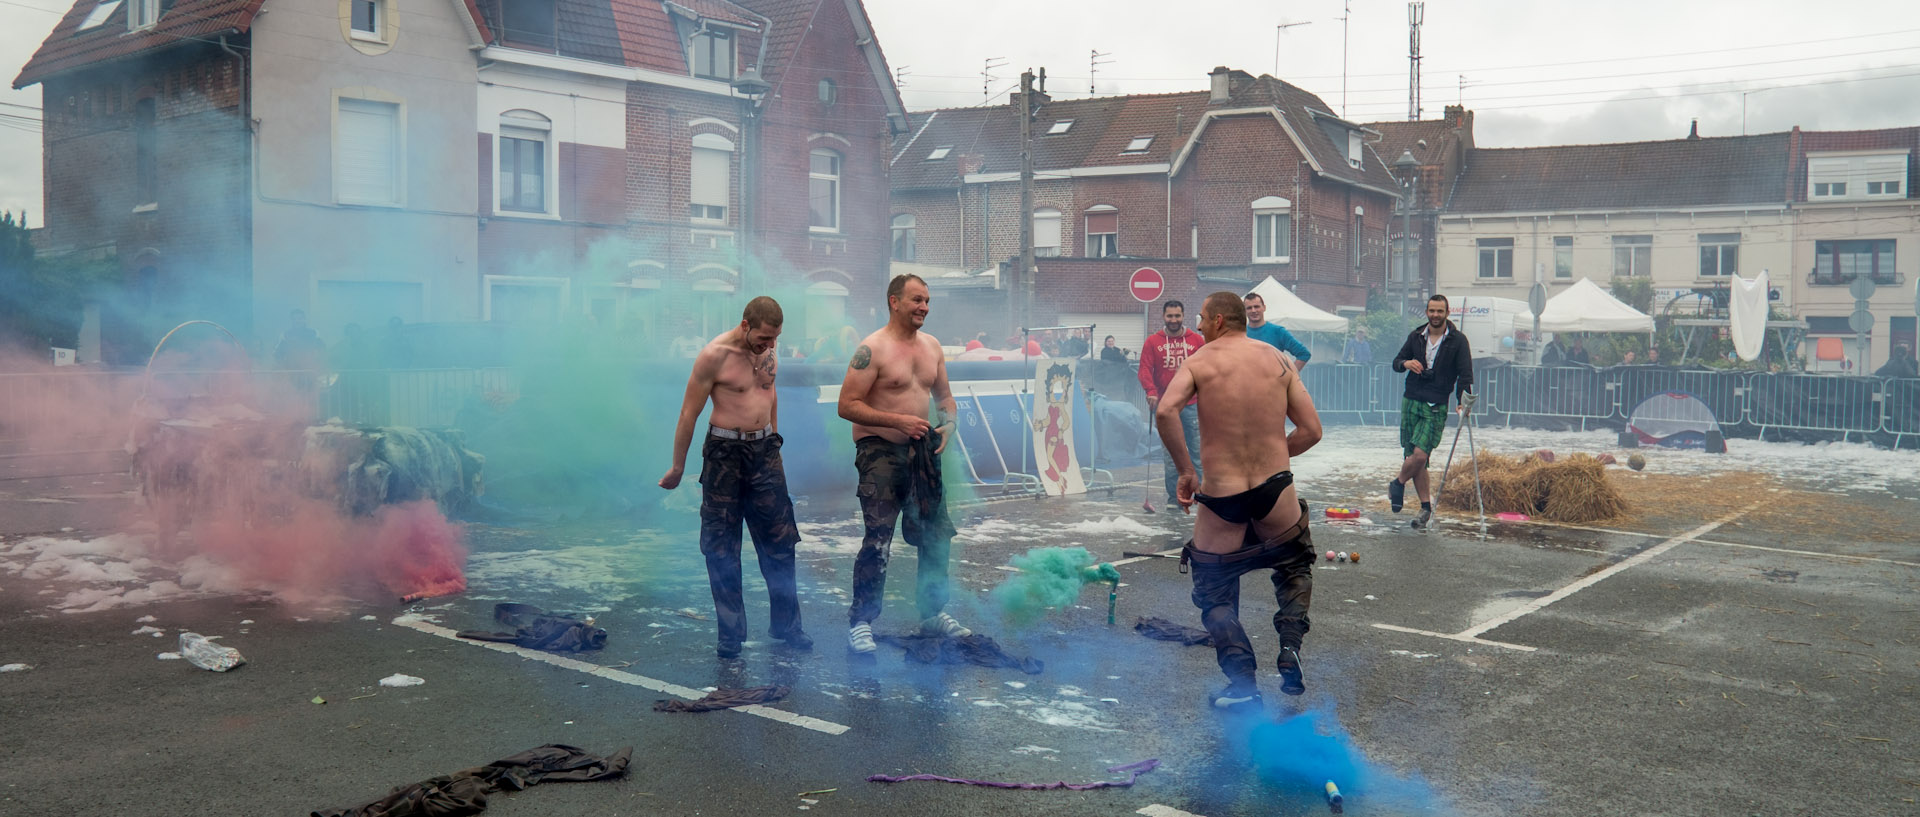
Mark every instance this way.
x=1216 y=591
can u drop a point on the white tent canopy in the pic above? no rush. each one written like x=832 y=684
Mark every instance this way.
x=1296 y=315
x=1585 y=307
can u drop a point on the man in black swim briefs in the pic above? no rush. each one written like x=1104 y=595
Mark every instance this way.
x=1250 y=516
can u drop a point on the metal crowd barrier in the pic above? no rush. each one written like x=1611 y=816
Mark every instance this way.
x=1568 y=393
x=1802 y=402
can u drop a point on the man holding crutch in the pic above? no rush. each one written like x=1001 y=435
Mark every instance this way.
x=1438 y=365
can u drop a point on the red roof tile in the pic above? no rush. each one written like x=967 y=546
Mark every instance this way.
x=68 y=48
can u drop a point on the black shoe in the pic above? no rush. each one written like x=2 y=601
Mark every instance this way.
x=1424 y=519
x=729 y=649
x=798 y=640
x=1291 y=681
x=1241 y=696
x=1397 y=494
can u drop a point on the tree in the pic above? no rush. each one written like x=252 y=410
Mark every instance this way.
x=41 y=297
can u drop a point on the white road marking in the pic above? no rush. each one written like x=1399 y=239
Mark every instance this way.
x=1813 y=553
x=1157 y=810
x=620 y=676
x=1456 y=637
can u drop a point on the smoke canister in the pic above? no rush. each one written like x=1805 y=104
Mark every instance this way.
x=1334 y=800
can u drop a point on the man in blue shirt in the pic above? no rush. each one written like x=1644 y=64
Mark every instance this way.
x=1274 y=334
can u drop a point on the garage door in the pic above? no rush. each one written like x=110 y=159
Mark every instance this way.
x=1126 y=328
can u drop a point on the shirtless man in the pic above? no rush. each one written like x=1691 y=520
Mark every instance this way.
x=1250 y=516
x=742 y=475
x=890 y=380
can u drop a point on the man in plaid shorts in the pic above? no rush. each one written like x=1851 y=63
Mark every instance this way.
x=1438 y=365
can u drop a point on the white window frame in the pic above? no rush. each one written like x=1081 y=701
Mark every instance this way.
x=911 y=228
x=1281 y=211
x=1633 y=246
x=530 y=126
x=713 y=34
x=1562 y=252
x=1109 y=243
x=1059 y=127
x=1493 y=248
x=834 y=178
x=489 y=281
x=1857 y=176
x=378 y=34
x=142 y=14
x=1718 y=244
x=828 y=91
x=397 y=185
x=98 y=17
x=1041 y=214
x=1356 y=147
x=939 y=153
x=1139 y=144
x=702 y=213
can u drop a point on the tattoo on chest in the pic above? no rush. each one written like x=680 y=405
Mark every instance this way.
x=764 y=369
x=862 y=357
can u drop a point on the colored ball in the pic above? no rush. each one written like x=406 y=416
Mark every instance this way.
x=1637 y=462
x=1355 y=556
x=1343 y=555
x=1329 y=555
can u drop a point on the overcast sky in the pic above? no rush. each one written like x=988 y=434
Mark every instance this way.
x=1536 y=73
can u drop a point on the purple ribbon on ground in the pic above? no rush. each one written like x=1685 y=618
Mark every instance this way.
x=1133 y=770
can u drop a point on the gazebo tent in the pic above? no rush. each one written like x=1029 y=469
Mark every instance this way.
x=1288 y=310
x=1585 y=307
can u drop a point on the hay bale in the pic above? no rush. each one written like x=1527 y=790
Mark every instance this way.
x=1570 y=489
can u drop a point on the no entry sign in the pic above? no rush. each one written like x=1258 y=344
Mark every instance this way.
x=1146 y=285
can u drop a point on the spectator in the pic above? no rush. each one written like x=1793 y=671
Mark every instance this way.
x=1275 y=335
x=1358 y=349
x=1113 y=353
x=1578 y=354
x=1901 y=364
x=1628 y=359
x=1653 y=356
x=1160 y=359
x=300 y=348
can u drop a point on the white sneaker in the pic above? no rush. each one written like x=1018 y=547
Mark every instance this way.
x=860 y=639
x=944 y=624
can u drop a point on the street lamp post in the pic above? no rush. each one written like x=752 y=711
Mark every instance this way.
x=1404 y=167
x=751 y=88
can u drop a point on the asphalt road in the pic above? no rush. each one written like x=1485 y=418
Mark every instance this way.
x=1762 y=665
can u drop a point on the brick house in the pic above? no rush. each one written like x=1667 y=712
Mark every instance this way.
x=502 y=160
x=1855 y=215
x=1439 y=148
x=1217 y=189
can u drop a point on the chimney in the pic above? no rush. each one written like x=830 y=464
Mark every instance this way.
x=1694 y=132
x=1456 y=115
x=1222 y=87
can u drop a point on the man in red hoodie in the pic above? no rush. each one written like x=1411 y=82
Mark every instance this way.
x=1160 y=358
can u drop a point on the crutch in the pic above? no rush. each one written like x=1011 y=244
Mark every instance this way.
x=1466 y=418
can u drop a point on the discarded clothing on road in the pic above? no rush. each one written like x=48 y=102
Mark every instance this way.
x=1160 y=629
x=1133 y=770
x=540 y=630
x=465 y=792
x=978 y=650
x=725 y=699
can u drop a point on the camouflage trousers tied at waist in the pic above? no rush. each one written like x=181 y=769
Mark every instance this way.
x=901 y=481
x=745 y=481
x=1216 y=591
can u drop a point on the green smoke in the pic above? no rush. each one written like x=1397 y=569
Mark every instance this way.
x=1049 y=578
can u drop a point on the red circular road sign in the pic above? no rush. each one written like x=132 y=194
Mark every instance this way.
x=1146 y=285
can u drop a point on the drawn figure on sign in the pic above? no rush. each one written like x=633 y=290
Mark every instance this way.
x=1059 y=390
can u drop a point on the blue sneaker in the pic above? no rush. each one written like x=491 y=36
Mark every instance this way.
x=1397 y=494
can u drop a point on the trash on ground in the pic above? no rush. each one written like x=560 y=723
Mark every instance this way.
x=726 y=699
x=168 y=656
x=145 y=620
x=14 y=667
x=978 y=650
x=399 y=680
x=318 y=700
x=1132 y=770
x=465 y=791
x=688 y=612
x=156 y=632
x=537 y=629
x=200 y=651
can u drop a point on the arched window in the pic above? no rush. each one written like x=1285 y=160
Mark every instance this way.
x=1103 y=231
x=903 y=237
x=525 y=151
x=712 y=178
x=1046 y=232
x=823 y=191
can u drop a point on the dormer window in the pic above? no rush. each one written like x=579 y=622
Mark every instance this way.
x=939 y=153
x=528 y=24
x=1139 y=144
x=142 y=14
x=710 y=52
x=1060 y=127
x=1857 y=176
x=99 y=15
x=1354 y=148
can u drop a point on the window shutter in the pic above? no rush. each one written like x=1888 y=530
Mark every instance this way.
x=1046 y=229
x=366 y=152
x=711 y=176
x=1103 y=222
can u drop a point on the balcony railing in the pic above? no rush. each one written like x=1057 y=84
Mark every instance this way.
x=1819 y=279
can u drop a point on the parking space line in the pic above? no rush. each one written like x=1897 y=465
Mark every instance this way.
x=620 y=676
x=1631 y=561
x=1456 y=637
x=1157 y=810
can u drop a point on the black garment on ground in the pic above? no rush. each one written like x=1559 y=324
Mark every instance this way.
x=978 y=650
x=725 y=699
x=1216 y=591
x=465 y=792
x=1248 y=505
x=1160 y=629
x=540 y=630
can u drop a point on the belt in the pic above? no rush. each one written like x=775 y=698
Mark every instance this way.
x=737 y=434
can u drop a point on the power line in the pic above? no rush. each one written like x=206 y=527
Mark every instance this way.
x=1679 y=87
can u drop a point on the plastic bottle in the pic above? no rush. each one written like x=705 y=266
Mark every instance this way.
x=201 y=652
